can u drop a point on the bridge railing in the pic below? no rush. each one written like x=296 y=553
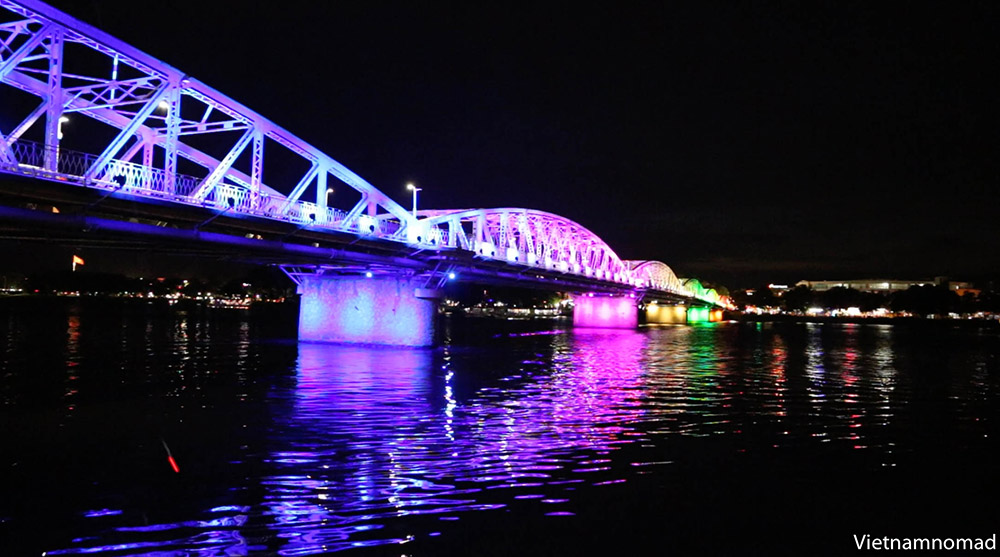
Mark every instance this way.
x=128 y=177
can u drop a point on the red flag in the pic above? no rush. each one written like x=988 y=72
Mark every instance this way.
x=77 y=260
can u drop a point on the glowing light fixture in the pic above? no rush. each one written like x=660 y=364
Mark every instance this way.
x=698 y=315
x=366 y=225
x=414 y=189
x=62 y=120
x=604 y=312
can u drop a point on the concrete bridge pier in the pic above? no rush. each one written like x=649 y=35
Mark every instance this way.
x=703 y=315
x=665 y=313
x=657 y=313
x=605 y=312
x=358 y=309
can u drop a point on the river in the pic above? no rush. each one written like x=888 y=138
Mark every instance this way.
x=509 y=438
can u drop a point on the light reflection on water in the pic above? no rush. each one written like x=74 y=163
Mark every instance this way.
x=376 y=440
x=358 y=447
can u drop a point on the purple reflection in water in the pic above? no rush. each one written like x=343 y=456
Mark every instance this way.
x=366 y=445
x=340 y=447
x=376 y=441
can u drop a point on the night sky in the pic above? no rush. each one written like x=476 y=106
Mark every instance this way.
x=738 y=144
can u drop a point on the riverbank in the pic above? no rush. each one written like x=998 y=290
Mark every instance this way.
x=784 y=318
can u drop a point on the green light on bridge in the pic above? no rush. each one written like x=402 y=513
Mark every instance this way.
x=698 y=315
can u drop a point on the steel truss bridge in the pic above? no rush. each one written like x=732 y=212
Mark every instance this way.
x=182 y=151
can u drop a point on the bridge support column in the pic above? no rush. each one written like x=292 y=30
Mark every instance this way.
x=703 y=315
x=666 y=313
x=606 y=312
x=389 y=310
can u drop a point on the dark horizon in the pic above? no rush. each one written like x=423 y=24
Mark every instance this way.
x=740 y=146
x=52 y=260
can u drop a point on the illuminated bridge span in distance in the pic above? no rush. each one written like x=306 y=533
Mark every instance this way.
x=203 y=169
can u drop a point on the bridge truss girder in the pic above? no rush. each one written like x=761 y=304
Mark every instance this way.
x=527 y=237
x=156 y=108
x=156 y=113
x=657 y=275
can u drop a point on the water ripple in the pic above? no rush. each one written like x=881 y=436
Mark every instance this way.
x=309 y=449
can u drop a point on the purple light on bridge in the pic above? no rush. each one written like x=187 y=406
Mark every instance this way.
x=605 y=312
x=359 y=310
x=159 y=101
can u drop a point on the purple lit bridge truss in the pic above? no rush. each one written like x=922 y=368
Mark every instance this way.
x=156 y=135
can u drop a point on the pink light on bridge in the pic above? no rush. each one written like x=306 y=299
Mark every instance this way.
x=605 y=312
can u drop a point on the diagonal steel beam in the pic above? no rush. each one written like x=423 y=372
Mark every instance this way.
x=125 y=133
x=27 y=122
x=304 y=182
x=210 y=181
x=6 y=156
x=27 y=48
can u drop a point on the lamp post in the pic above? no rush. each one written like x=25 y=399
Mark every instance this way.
x=414 y=189
x=62 y=120
x=329 y=192
x=54 y=163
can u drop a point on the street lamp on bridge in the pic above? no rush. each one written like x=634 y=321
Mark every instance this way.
x=414 y=189
x=59 y=133
x=52 y=157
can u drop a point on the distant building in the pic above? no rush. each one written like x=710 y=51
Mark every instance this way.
x=963 y=288
x=777 y=289
x=880 y=286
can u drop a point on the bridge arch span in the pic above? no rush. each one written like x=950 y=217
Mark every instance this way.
x=698 y=290
x=528 y=237
x=656 y=274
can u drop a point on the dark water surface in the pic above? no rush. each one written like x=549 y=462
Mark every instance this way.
x=511 y=438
